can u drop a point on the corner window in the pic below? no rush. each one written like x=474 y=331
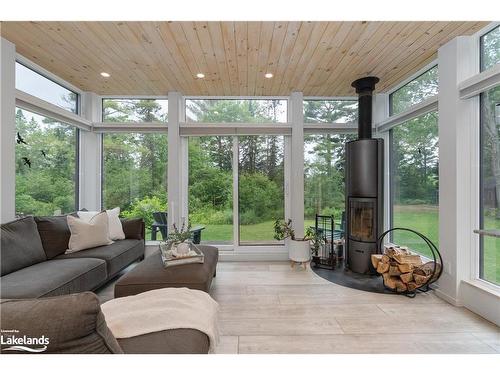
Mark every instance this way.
x=415 y=181
x=489 y=265
x=490 y=48
x=134 y=110
x=46 y=165
x=414 y=92
x=35 y=84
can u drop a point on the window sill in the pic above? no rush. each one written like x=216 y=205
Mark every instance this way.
x=484 y=286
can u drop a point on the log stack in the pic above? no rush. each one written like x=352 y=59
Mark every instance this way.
x=402 y=270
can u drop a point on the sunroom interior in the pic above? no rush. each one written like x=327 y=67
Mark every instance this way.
x=228 y=126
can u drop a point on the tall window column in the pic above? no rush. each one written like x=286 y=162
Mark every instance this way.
x=7 y=130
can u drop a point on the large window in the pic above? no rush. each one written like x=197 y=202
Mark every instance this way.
x=46 y=165
x=260 y=187
x=37 y=85
x=134 y=110
x=490 y=184
x=330 y=111
x=324 y=176
x=414 y=187
x=490 y=49
x=414 y=92
x=211 y=187
x=236 y=110
x=135 y=174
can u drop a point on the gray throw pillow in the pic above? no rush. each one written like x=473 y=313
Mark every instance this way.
x=20 y=245
x=55 y=234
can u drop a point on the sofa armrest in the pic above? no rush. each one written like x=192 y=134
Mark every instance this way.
x=134 y=229
x=70 y=324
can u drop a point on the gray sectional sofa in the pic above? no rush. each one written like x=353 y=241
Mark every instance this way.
x=75 y=324
x=33 y=263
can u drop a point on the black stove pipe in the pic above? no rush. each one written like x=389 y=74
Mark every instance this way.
x=364 y=88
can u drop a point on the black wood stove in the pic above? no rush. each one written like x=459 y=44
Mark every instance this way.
x=364 y=185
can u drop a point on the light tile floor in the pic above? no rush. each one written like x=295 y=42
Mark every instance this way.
x=267 y=307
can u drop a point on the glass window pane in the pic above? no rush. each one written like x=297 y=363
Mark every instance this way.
x=211 y=187
x=135 y=175
x=414 y=173
x=236 y=110
x=37 y=85
x=134 y=110
x=261 y=193
x=324 y=176
x=45 y=165
x=490 y=184
x=414 y=92
x=330 y=111
x=490 y=49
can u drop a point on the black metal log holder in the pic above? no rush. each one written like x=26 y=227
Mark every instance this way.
x=324 y=226
x=436 y=274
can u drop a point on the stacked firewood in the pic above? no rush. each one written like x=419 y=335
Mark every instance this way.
x=403 y=270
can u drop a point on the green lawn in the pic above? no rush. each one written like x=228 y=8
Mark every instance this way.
x=425 y=219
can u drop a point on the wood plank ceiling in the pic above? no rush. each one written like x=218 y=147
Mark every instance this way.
x=153 y=58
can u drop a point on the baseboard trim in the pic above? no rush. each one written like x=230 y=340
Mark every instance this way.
x=247 y=256
x=447 y=298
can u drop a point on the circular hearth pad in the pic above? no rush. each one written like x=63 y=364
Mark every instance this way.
x=341 y=276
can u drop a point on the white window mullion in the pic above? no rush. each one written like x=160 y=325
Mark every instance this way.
x=236 y=216
x=296 y=113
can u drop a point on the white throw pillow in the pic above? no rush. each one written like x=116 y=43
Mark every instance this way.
x=114 y=224
x=86 y=235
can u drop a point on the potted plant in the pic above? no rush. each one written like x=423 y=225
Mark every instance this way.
x=317 y=240
x=299 y=249
x=177 y=240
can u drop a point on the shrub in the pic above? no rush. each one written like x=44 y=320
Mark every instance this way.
x=144 y=208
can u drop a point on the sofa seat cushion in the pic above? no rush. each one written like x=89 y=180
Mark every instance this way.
x=54 y=232
x=150 y=274
x=54 y=277
x=118 y=255
x=174 y=341
x=73 y=324
x=21 y=245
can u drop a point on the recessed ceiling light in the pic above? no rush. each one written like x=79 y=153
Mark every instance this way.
x=105 y=75
x=268 y=75
x=200 y=75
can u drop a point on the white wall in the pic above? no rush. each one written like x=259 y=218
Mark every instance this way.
x=7 y=131
x=458 y=123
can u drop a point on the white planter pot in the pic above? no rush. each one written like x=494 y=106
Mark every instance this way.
x=299 y=251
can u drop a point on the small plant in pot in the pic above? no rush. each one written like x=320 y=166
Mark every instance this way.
x=178 y=240
x=317 y=240
x=299 y=249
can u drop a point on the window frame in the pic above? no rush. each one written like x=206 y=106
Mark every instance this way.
x=412 y=78
x=391 y=165
x=251 y=125
x=30 y=103
x=76 y=178
x=50 y=77
x=481 y=47
x=338 y=126
x=131 y=124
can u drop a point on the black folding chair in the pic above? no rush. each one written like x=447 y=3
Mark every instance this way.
x=160 y=223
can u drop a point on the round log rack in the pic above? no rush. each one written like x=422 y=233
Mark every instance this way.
x=436 y=257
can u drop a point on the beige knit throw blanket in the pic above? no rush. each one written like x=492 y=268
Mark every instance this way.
x=163 y=309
